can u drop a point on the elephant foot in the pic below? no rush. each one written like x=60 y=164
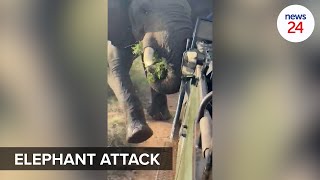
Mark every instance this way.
x=138 y=132
x=157 y=114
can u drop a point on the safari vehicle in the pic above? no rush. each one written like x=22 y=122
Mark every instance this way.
x=192 y=124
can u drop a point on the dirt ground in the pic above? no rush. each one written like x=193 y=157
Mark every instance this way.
x=161 y=129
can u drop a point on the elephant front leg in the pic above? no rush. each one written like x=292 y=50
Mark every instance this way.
x=119 y=61
x=158 y=109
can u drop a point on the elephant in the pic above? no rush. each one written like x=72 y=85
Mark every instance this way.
x=200 y=8
x=163 y=27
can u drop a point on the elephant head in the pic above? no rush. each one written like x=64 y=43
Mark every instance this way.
x=163 y=26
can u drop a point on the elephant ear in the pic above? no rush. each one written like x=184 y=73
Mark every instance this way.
x=119 y=26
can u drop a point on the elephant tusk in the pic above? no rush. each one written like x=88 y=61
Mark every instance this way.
x=148 y=56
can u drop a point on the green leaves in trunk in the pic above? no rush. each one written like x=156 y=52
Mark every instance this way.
x=137 y=49
x=158 y=70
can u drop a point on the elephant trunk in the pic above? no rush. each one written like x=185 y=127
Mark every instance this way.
x=170 y=83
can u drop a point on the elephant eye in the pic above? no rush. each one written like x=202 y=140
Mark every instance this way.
x=145 y=12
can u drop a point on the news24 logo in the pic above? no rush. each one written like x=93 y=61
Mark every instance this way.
x=295 y=23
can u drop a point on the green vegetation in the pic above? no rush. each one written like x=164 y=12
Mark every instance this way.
x=158 y=70
x=137 y=49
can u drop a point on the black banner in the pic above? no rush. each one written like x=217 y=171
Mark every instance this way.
x=85 y=158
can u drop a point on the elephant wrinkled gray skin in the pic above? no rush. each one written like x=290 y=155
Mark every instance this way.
x=200 y=8
x=163 y=27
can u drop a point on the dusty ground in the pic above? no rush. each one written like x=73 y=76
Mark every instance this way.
x=161 y=129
